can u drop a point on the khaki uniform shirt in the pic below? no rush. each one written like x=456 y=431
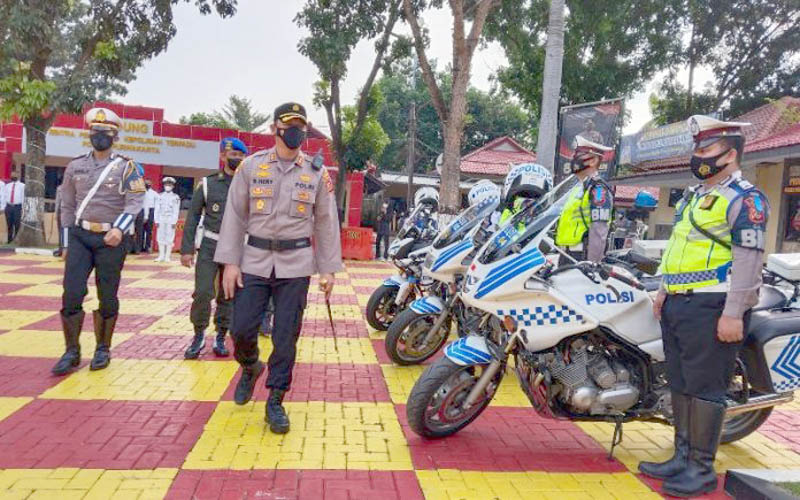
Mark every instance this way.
x=280 y=201
x=117 y=200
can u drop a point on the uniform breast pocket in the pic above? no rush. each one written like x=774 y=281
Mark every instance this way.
x=302 y=203
x=262 y=201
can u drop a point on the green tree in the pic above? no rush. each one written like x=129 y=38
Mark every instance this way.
x=452 y=112
x=611 y=47
x=371 y=140
x=239 y=114
x=57 y=55
x=750 y=48
x=335 y=27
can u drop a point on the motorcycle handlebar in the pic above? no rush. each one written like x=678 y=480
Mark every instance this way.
x=588 y=270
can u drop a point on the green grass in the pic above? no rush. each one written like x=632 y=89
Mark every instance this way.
x=793 y=488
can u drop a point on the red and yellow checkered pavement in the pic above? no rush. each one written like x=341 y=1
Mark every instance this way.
x=153 y=425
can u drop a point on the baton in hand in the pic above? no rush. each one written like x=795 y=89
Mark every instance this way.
x=328 y=305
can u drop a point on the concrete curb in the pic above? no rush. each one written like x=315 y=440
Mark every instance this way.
x=47 y=252
x=747 y=484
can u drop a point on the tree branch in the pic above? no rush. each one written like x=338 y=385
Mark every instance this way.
x=425 y=66
x=481 y=14
x=383 y=44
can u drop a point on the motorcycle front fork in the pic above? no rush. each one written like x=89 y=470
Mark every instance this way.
x=489 y=373
x=437 y=325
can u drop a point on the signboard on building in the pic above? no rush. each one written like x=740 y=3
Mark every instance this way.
x=662 y=142
x=596 y=122
x=137 y=141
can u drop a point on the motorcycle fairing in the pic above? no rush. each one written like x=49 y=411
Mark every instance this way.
x=469 y=351
x=397 y=281
x=428 y=305
x=771 y=350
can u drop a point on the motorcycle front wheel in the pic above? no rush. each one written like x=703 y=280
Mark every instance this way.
x=435 y=406
x=405 y=339
x=381 y=308
x=740 y=426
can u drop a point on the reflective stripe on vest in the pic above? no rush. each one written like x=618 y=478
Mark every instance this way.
x=691 y=259
x=574 y=220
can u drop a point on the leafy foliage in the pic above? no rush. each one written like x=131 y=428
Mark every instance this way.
x=611 y=47
x=238 y=114
x=751 y=48
x=371 y=140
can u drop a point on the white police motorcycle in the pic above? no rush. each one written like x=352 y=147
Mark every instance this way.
x=585 y=343
x=418 y=332
x=407 y=252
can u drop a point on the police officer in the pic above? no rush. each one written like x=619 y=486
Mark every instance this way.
x=208 y=202
x=278 y=200
x=524 y=184
x=100 y=196
x=711 y=276
x=583 y=225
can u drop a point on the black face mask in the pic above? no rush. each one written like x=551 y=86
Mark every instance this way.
x=101 y=141
x=233 y=163
x=703 y=168
x=293 y=137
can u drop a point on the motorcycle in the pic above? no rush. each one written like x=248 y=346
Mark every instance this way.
x=585 y=343
x=418 y=332
x=407 y=252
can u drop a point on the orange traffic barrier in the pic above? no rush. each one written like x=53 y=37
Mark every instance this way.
x=357 y=243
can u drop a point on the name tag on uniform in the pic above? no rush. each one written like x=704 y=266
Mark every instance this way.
x=708 y=201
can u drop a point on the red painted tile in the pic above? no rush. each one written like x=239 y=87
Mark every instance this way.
x=172 y=276
x=131 y=292
x=783 y=427
x=337 y=298
x=126 y=323
x=43 y=271
x=344 y=328
x=718 y=494
x=380 y=352
x=510 y=439
x=295 y=484
x=166 y=347
x=26 y=376
x=327 y=382
x=101 y=434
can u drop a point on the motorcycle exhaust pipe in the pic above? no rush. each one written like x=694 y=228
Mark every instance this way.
x=759 y=402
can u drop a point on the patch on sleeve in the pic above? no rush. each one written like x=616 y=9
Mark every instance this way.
x=328 y=182
x=132 y=179
x=751 y=223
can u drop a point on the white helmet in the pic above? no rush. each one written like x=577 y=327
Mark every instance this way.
x=426 y=195
x=481 y=191
x=529 y=180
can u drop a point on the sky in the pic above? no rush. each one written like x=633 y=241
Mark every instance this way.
x=254 y=55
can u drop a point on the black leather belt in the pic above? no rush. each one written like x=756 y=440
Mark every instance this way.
x=277 y=245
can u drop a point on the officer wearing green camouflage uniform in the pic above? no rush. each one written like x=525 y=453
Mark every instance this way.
x=208 y=202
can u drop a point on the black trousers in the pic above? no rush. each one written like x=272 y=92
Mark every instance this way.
x=385 y=239
x=138 y=235
x=148 y=230
x=87 y=251
x=13 y=220
x=250 y=302
x=207 y=274
x=698 y=363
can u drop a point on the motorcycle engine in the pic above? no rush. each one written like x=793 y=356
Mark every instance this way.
x=592 y=381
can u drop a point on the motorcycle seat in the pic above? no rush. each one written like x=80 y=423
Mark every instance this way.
x=650 y=283
x=769 y=297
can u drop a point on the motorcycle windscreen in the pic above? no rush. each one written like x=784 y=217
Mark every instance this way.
x=466 y=220
x=411 y=221
x=528 y=222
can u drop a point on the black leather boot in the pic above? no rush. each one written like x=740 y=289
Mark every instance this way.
x=276 y=416
x=247 y=382
x=197 y=345
x=103 y=331
x=676 y=464
x=219 y=345
x=71 y=325
x=705 y=427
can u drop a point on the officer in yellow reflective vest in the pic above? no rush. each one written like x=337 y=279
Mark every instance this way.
x=583 y=226
x=712 y=273
x=525 y=184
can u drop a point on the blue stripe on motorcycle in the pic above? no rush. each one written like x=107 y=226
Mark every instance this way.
x=512 y=262
x=520 y=265
x=458 y=357
x=785 y=364
x=391 y=283
x=480 y=354
x=423 y=307
x=445 y=256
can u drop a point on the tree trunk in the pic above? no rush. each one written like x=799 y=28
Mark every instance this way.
x=551 y=87
x=450 y=192
x=32 y=229
x=692 y=63
x=411 y=153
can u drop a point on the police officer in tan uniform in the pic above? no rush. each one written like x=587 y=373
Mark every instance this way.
x=100 y=196
x=278 y=200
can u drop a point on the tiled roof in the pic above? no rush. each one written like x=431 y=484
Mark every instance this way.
x=628 y=193
x=495 y=157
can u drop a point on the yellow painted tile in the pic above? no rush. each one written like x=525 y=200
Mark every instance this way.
x=652 y=441
x=17 y=269
x=400 y=380
x=43 y=290
x=237 y=437
x=49 y=344
x=328 y=350
x=455 y=484
x=176 y=284
x=10 y=405
x=170 y=324
x=87 y=483
x=19 y=278
x=148 y=380
x=339 y=311
x=370 y=282
x=148 y=306
x=12 y=319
